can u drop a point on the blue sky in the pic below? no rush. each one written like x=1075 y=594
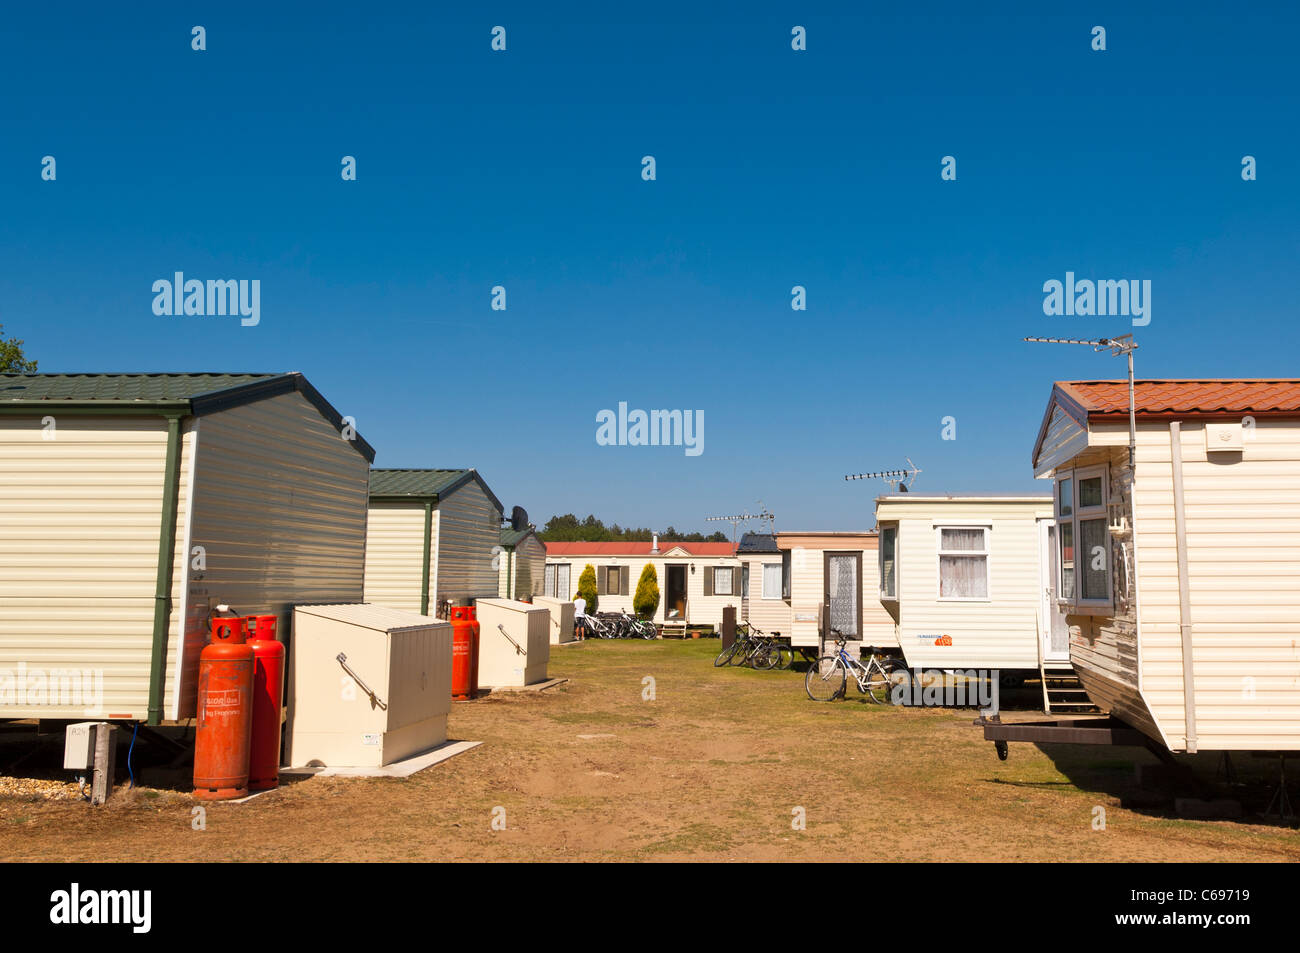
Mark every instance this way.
x=775 y=168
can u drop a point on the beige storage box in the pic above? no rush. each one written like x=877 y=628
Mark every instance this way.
x=506 y=628
x=404 y=658
x=561 y=624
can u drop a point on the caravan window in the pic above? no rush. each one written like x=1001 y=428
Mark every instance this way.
x=557 y=580
x=722 y=581
x=1083 y=538
x=771 y=580
x=963 y=562
x=888 y=562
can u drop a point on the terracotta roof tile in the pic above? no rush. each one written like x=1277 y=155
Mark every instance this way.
x=636 y=548
x=1239 y=396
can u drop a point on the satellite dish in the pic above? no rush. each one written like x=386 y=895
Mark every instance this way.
x=518 y=519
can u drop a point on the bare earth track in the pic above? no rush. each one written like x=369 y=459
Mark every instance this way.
x=711 y=769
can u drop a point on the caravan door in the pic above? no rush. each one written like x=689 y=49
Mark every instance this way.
x=1053 y=632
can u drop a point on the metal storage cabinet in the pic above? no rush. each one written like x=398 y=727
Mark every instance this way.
x=499 y=663
x=561 y=623
x=404 y=658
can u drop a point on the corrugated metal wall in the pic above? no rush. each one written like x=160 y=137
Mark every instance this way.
x=280 y=509
x=469 y=525
x=79 y=522
x=395 y=555
x=526 y=570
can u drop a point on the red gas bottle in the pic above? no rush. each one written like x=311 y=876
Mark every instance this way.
x=478 y=642
x=268 y=697
x=225 y=708
x=464 y=653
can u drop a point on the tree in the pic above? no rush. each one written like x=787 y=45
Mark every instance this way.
x=12 y=359
x=646 y=600
x=587 y=587
x=568 y=528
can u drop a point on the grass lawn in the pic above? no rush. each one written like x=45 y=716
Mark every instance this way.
x=716 y=766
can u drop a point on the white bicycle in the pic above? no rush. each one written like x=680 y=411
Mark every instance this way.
x=828 y=676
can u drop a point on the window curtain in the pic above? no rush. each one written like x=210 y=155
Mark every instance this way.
x=771 y=580
x=844 y=595
x=963 y=577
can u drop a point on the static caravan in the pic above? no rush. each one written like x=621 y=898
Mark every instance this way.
x=131 y=505
x=1178 y=576
x=963 y=578
x=433 y=540
x=522 y=569
x=764 y=599
x=834 y=570
x=696 y=580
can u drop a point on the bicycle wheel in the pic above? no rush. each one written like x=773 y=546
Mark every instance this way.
x=766 y=657
x=724 y=657
x=741 y=652
x=787 y=658
x=825 y=679
x=887 y=675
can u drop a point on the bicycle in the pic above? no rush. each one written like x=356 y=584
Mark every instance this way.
x=737 y=650
x=827 y=678
x=754 y=648
x=638 y=628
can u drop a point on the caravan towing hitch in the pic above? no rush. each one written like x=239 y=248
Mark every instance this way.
x=1000 y=746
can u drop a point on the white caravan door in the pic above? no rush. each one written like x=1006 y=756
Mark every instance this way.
x=1053 y=632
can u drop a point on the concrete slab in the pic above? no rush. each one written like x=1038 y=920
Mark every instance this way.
x=535 y=687
x=398 y=769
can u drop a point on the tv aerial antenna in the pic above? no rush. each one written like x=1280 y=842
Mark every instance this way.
x=1122 y=346
x=902 y=479
x=745 y=517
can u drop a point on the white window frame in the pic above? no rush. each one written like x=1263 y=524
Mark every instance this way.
x=880 y=563
x=1077 y=515
x=774 y=596
x=552 y=590
x=940 y=552
x=731 y=585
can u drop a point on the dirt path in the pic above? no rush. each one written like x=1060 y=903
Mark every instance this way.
x=713 y=768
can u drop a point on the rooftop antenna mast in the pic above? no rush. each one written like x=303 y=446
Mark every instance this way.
x=744 y=517
x=897 y=478
x=1125 y=345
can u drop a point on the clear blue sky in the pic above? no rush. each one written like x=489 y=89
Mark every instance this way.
x=775 y=168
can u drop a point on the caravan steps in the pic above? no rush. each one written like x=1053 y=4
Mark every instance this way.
x=1062 y=691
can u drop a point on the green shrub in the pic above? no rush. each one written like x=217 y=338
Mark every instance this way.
x=646 y=600
x=587 y=587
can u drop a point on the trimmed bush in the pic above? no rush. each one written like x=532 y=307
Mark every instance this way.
x=646 y=600
x=587 y=587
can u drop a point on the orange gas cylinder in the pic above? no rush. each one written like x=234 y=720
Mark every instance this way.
x=221 y=740
x=268 y=696
x=478 y=642
x=464 y=654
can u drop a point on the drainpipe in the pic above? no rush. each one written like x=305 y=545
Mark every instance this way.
x=166 y=556
x=428 y=548
x=1184 y=591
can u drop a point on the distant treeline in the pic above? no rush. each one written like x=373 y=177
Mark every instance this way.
x=568 y=528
